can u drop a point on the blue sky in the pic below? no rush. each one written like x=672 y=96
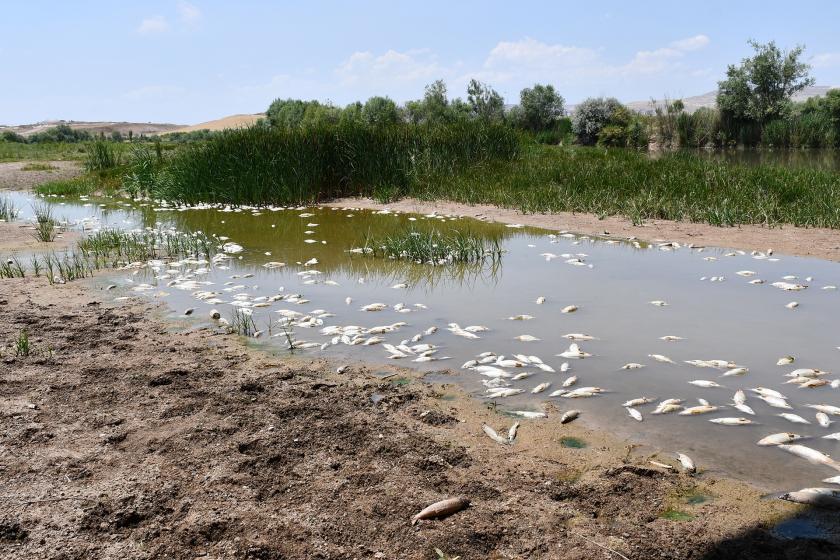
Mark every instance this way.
x=187 y=62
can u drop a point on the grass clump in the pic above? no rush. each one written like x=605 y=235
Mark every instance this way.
x=102 y=156
x=22 y=345
x=433 y=247
x=46 y=228
x=8 y=212
x=11 y=267
x=77 y=186
x=38 y=166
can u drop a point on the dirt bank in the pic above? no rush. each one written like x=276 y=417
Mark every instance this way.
x=812 y=242
x=123 y=436
x=14 y=176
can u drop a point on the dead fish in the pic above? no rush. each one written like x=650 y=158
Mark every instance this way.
x=632 y=365
x=658 y=303
x=189 y=311
x=731 y=421
x=215 y=314
x=520 y=318
x=540 y=300
x=442 y=509
x=637 y=402
x=834 y=436
x=569 y=309
x=818 y=497
x=494 y=436
x=811 y=455
x=686 y=462
x=735 y=371
x=792 y=305
x=832 y=480
x=706 y=384
x=579 y=336
x=663 y=465
x=778 y=439
x=634 y=414
x=570 y=381
x=823 y=420
x=764 y=391
x=827 y=408
x=512 y=432
x=795 y=418
x=702 y=409
x=526 y=338
x=785 y=360
x=528 y=414
x=540 y=388
x=661 y=358
x=569 y=416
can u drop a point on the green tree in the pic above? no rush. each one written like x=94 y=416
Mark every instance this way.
x=294 y=113
x=540 y=106
x=593 y=114
x=380 y=111
x=433 y=108
x=760 y=88
x=485 y=102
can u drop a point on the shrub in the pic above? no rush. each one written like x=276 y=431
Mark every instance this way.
x=591 y=116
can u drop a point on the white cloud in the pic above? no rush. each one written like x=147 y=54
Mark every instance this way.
x=156 y=24
x=691 y=43
x=826 y=60
x=529 y=59
x=189 y=13
x=364 y=67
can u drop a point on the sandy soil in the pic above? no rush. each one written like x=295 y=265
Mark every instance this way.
x=813 y=242
x=18 y=237
x=232 y=121
x=124 y=436
x=14 y=177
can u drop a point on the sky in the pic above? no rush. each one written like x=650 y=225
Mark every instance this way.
x=191 y=61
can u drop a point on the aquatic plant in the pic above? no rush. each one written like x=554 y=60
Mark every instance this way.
x=77 y=186
x=8 y=212
x=10 y=267
x=242 y=323
x=433 y=247
x=45 y=226
x=102 y=156
x=261 y=165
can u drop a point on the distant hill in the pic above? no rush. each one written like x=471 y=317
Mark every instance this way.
x=96 y=127
x=232 y=121
x=708 y=99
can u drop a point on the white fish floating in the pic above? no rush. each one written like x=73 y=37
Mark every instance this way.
x=795 y=418
x=637 y=402
x=827 y=408
x=579 y=336
x=792 y=305
x=823 y=419
x=671 y=338
x=658 y=303
x=569 y=309
x=374 y=307
x=661 y=358
x=501 y=392
x=521 y=317
x=634 y=414
x=540 y=300
x=574 y=352
x=811 y=455
x=705 y=383
x=530 y=414
x=526 y=338
x=702 y=409
x=568 y=382
x=731 y=421
x=779 y=438
x=540 y=388
x=785 y=360
x=632 y=365
x=735 y=371
x=788 y=287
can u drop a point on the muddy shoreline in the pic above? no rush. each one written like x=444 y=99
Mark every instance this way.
x=804 y=242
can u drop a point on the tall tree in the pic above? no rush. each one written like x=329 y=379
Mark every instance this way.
x=541 y=106
x=485 y=102
x=760 y=88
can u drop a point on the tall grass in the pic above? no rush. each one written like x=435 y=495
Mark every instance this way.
x=102 y=156
x=260 y=165
x=621 y=182
x=46 y=228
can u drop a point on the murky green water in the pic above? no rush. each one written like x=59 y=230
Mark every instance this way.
x=611 y=283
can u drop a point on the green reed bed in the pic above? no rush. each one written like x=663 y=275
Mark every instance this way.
x=433 y=247
x=260 y=165
x=633 y=185
x=46 y=228
x=120 y=247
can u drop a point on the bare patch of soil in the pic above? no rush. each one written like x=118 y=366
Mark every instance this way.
x=14 y=177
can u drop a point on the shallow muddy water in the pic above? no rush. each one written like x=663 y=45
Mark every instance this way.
x=612 y=287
